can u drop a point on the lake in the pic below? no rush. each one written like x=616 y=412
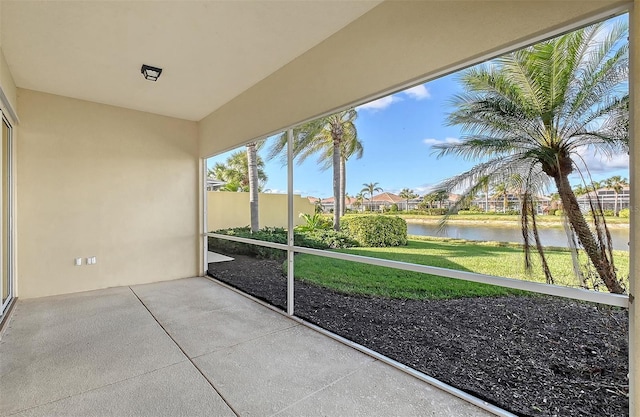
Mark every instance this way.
x=548 y=236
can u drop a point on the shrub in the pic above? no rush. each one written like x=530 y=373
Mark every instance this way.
x=324 y=239
x=608 y=213
x=316 y=239
x=624 y=213
x=268 y=234
x=559 y=212
x=376 y=230
x=394 y=207
x=314 y=222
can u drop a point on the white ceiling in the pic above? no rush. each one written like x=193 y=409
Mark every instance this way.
x=210 y=51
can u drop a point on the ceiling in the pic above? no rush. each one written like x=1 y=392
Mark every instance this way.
x=210 y=51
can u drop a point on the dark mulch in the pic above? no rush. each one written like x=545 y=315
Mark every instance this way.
x=533 y=356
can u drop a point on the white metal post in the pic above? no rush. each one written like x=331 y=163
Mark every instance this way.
x=205 y=216
x=634 y=218
x=290 y=289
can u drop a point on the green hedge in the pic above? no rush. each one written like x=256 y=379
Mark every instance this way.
x=624 y=213
x=376 y=230
x=318 y=239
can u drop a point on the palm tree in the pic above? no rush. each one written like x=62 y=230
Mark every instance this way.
x=438 y=196
x=407 y=194
x=616 y=183
x=359 y=200
x=484 y=185
x=501 y=190
x=252 y=165
x=531 y=111
x=335 y=139
x=370 y=188
x=580 y=189
x=243 y=171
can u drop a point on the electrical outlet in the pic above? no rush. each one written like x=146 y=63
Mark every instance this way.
x=78 y=261
x=88 y=261
x=93 y=260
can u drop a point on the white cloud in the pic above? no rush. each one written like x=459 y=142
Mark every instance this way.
x=419 y=92
x=424 y=189
x=379 y=104
x=431 y=141
x=600 y=163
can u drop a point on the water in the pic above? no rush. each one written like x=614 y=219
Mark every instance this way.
x=548 y=236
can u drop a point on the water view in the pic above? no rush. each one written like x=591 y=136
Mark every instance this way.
x=548 y=236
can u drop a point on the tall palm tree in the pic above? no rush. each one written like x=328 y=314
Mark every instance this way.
x=407 y=194
x=484 y=184
x=334 y=139
x=532 y=111
x=360 y=199
x=243 y=171
x=500 y=190
x=370 y=188
x=438 y=196
x=252 y=167
x=617 y=184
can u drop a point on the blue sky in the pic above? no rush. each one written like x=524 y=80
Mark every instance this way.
x=398 y=132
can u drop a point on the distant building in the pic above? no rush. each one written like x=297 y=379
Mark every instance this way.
x=513 y=202
x=606 y=197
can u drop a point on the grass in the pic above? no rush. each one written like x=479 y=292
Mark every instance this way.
x=487 y=258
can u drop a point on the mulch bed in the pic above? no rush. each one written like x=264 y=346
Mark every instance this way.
x=533 y=356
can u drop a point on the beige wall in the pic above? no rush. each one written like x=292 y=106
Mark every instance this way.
x=227 y=209
x=396 y=42
x=7 y=84
x=96 y=180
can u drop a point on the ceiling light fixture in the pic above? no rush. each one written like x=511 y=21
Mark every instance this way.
x=150 y=73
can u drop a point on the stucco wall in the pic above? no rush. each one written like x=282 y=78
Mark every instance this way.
x=96 y=180
x=394 y=43
x=226 y=209
x=6 y=81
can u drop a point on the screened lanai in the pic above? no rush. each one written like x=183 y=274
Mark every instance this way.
x=104 y=171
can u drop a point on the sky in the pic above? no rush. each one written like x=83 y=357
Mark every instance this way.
x=397 y=133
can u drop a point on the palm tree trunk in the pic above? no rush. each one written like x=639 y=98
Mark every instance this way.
x=343 y=185
x=594 y=249
x=336 y=184
x=615 y=205
x=253 y=185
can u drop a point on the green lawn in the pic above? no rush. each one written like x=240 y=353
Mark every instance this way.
x=487 y=258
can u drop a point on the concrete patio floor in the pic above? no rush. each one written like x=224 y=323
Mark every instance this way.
x=192 y=347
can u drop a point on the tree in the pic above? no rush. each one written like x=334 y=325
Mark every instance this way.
x=484 y=185
x=370 y=188
x=335 y=139
x=438 y=196
x=244 y=172
x=407 y=194
x=580 y=189
x=359 y=200
x=252 y=163
x=532 y=111
x=617 y=184
x=501 y=190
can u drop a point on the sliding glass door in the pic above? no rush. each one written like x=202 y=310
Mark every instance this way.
x=5 y=216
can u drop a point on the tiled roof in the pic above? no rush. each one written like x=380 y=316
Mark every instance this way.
x=387 y=197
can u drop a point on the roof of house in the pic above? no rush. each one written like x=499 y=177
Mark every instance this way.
x=347 y=200
x=387 y=197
